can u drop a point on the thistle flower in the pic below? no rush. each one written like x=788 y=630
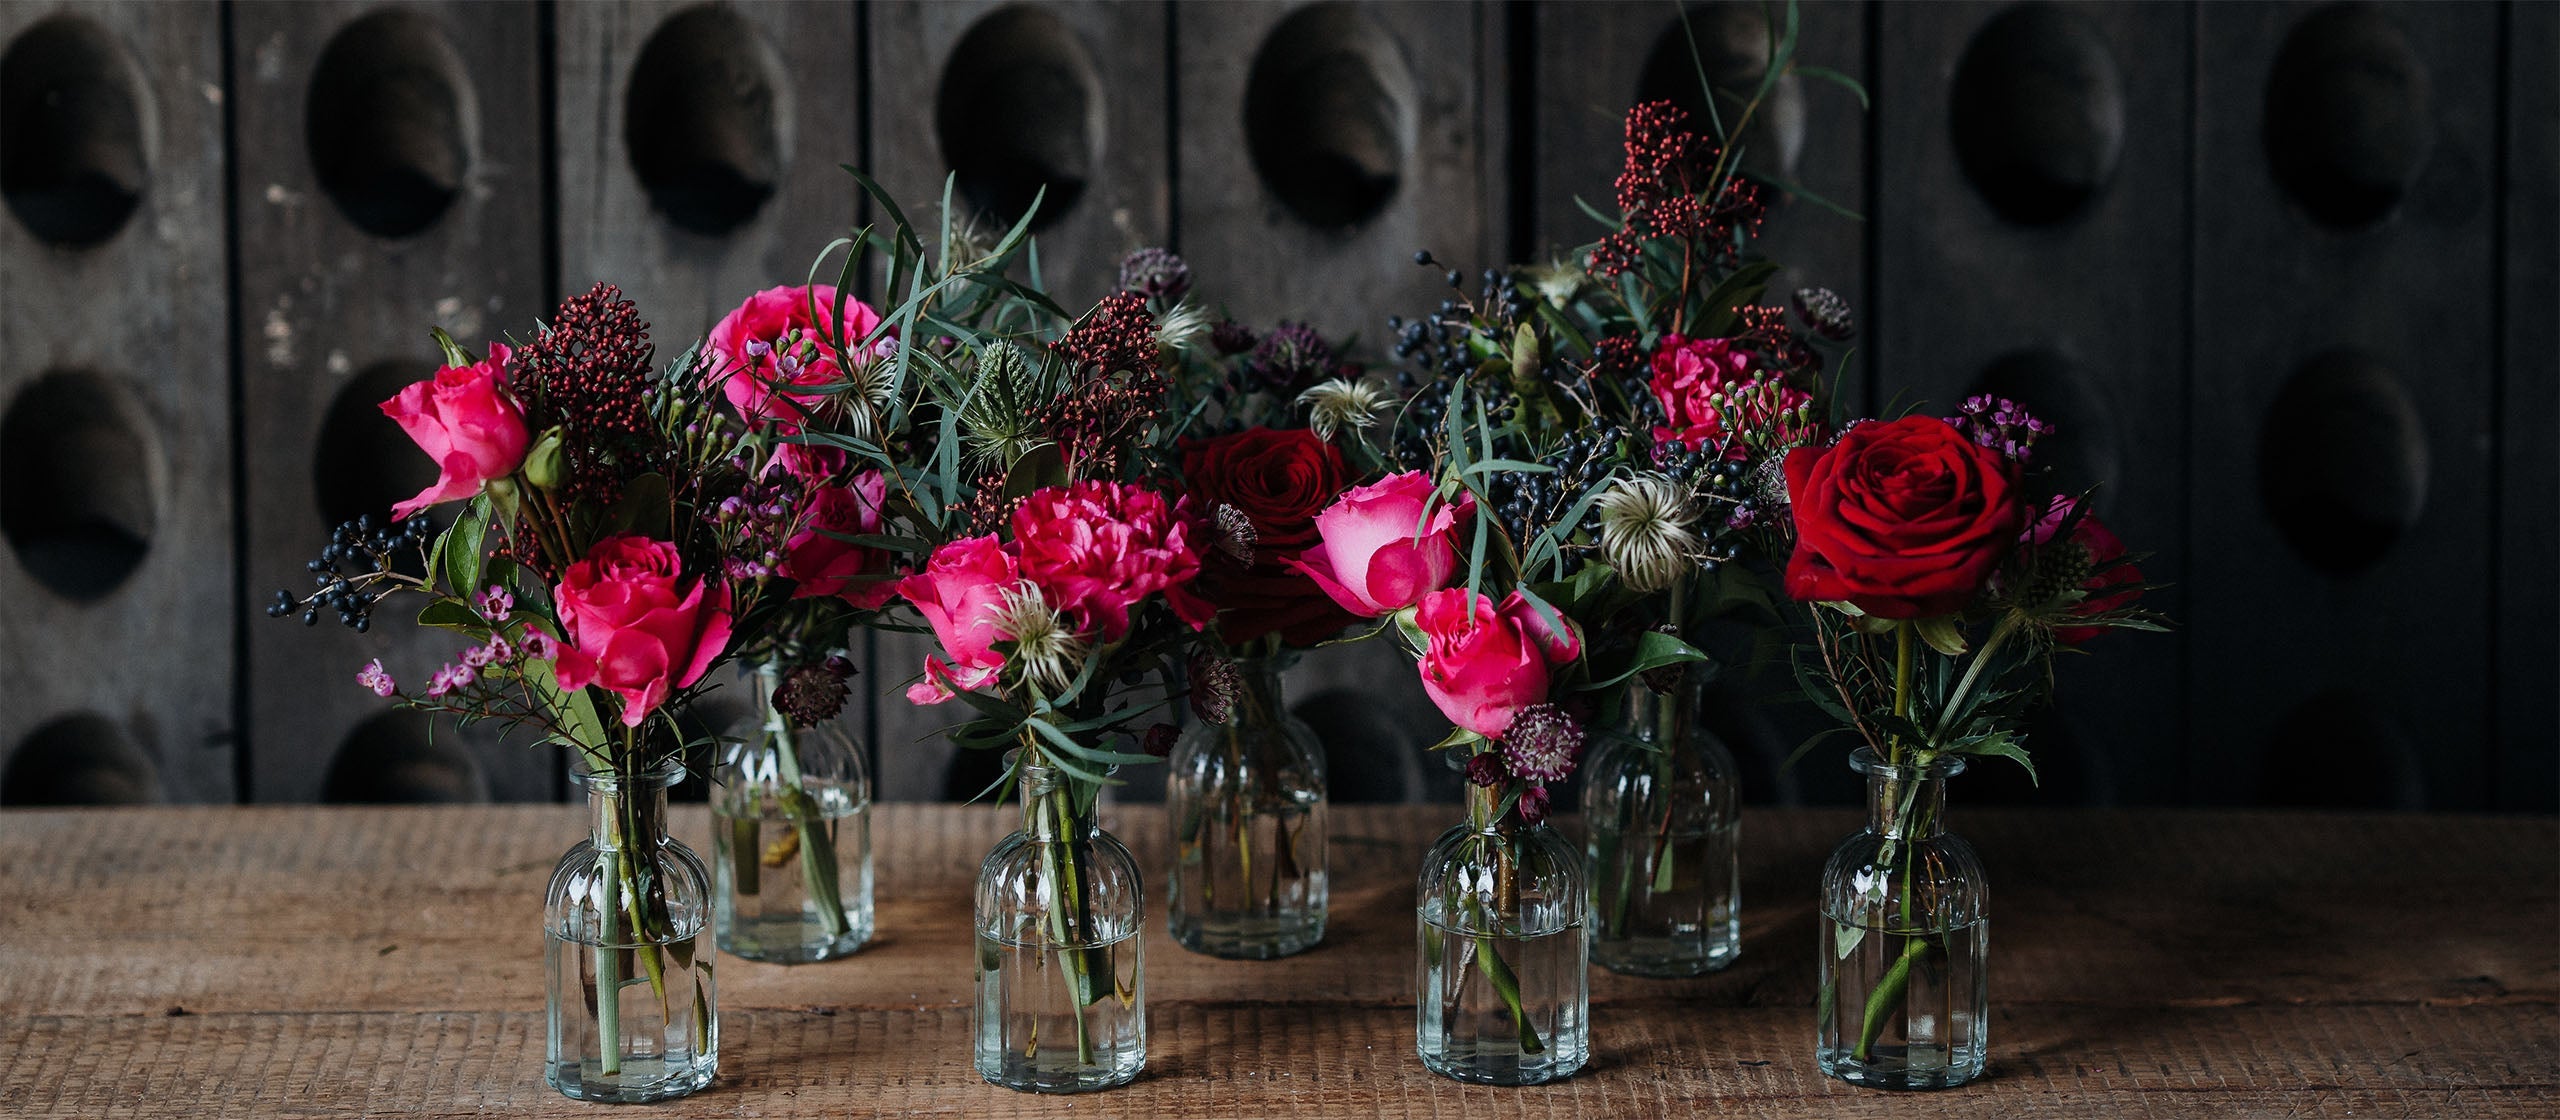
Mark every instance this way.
x=1049 y=653
x=1644 y=531
x=1543 y=744
x=1344 y=404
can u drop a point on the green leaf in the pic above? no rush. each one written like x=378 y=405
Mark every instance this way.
x=1844 y=81
x=452 y=614
x=463 y=549
x=1041 y=467
x=1457 y=737
x=1654 y=649
x=453 y=355
x=2002 y=746
x=1944 y=634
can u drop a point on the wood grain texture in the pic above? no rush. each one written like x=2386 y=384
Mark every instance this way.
x=279 y=962
x=140 y=315
x=334 y=317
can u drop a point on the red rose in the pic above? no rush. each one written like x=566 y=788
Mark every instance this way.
x=465 y=421
x=2101 y=548
x=1279 y=479
x=631 y=627
x=823 y=565
x=1905 y=519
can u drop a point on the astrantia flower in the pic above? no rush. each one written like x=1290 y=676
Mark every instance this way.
x=1344 y=404
x=372 y=677
x=1644 y=531
x=1291 y=357
x=1533 y=805
x=1825 y=313
x=1044 y=645
x=811 y=694
x=1543 y=743
x=1235 y=533
x=1486 y=769
x=1098 y=549
x=1156 y=273
x=1213 y=688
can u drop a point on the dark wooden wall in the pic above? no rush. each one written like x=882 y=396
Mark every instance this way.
x=2283 y=272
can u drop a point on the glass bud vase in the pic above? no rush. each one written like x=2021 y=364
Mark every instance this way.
x=791 y=838
x=1245 y=799
x=1061 y=988
x=633 y=1012
x=1905 y=939
x=1662 y=811
x=1504 y=993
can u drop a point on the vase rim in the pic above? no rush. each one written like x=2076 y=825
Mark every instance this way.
x=665 y=771
x=1865 y=760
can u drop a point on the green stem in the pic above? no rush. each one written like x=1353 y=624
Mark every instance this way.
x=1901 y=688
x=1505 y=982
x=1955 y=702
x=1067 y=911
x=608 y=952
x=817 y=842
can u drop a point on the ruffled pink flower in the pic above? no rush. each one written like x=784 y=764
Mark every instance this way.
x=1098 y=549
x=821 y=565
x=634 y=627
x=1690 y=373
x=959 y=592
x=784 y=337
x=1370 y=557
x=464 y=420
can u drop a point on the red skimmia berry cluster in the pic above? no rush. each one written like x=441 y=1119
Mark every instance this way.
x=589 y=374
x=1115 y=387
x=1662 y=192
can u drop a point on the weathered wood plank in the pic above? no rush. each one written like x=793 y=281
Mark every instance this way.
x=280 y=962
x=389 y=178
x=116 y=564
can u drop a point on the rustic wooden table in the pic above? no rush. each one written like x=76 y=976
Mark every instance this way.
x=265 y=962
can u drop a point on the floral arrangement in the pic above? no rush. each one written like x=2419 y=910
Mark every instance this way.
x=1941 y=576
x=591 y=570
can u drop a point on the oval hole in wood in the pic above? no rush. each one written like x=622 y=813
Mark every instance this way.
x=72 y=118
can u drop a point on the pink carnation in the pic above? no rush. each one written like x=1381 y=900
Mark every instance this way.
x=1098 y=549
x=1688 y=375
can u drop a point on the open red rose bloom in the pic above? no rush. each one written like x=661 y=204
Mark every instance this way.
x=1901 y=519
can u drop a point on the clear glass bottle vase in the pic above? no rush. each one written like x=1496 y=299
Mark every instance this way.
x=791 y=838
x=1061 y=981
x=1246 y=801
x=1504 y=989
x=633 y=1013
x=1905 y=947
x=1662 y=810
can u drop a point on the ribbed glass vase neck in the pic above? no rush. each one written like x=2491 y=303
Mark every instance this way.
x=1258 y=696
x=1661 y=717
x=1905 y=800
x=1484 y=810
x=1051 y=809
x=628 y=808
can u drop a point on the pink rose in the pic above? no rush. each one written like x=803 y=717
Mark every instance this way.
x=627 y=625
x=2102 y=547
x=1482 y=663
x=821 y=564
x=785 y=337
x=1688 y=375
x=464 y=420
x=958 y=593
x=1096 y=550
x=1369 y=557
